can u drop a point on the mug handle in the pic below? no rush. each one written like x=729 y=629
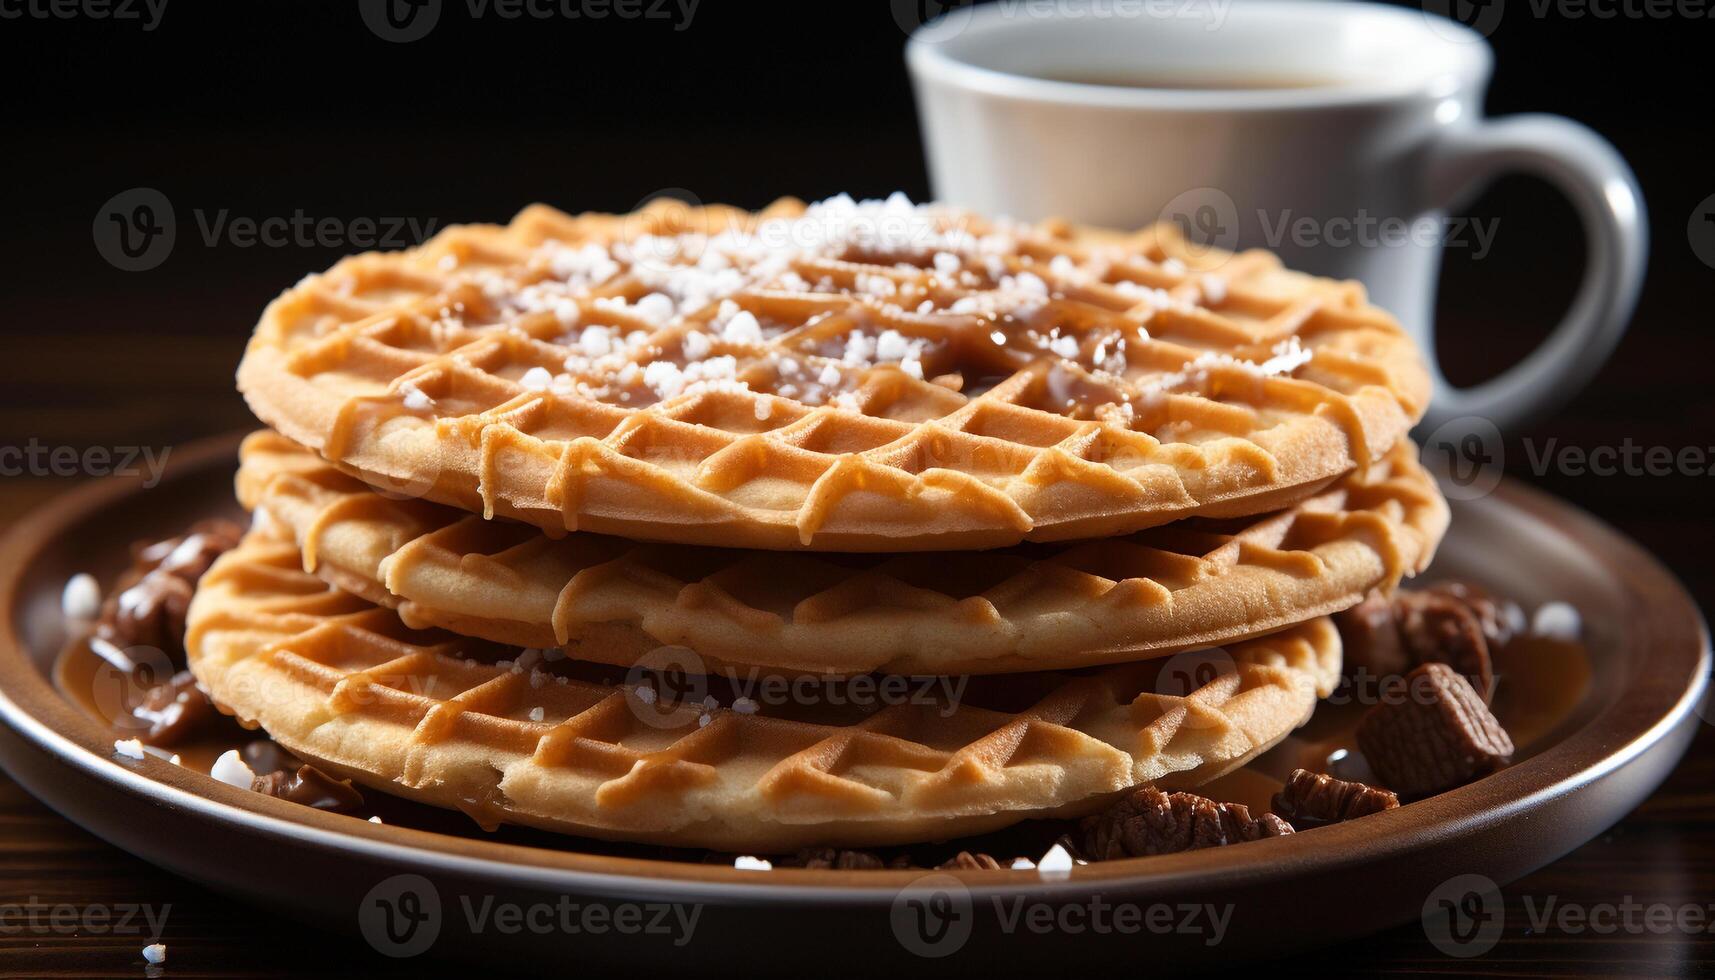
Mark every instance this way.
x=1590 y=172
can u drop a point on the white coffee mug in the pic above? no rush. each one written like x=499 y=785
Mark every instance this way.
x=1356 y=129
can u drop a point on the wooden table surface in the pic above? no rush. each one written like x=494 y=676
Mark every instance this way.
x=1664 y=853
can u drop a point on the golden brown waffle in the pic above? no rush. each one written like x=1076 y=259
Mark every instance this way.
x=846 y=377
x=1034 y=607
x=444 y=719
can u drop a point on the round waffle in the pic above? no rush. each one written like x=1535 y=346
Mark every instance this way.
x=842 y=377
x=1032 y=607
x=453 y=722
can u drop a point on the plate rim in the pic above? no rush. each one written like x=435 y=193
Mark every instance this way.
x=1640 y=716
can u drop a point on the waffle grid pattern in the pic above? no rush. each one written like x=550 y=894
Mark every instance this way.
x=447 y=720
x=1035 y=607
x=1049 y=382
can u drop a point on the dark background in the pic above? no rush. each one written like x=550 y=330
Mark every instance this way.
x=267 y=108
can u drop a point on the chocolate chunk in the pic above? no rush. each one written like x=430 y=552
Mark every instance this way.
x=149 y=613
x=193 y=552
x=148 y=604
x=1501 y=619
x=266 y=755
x=1452 y=623
x=310 y=786
x=1312 y=799
x=1436 y=735
x=1437 y=627
x=174 y=711
x=966 y=861
x=1369 y=637
x=1149 y=821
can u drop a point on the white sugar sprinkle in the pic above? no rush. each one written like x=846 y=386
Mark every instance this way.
x=1214 y=289
x=415 y=399
x=536 y=379
x=743 y=328
x=696 y=345
x=745 y=706
x=1558 y=621
x=655 y=308
x=130 y=748
x=81 y=598
x=536 y=714
x=1057 y=863
x=155 y=953
x=745 y=862
x=1023 y=864
x=230 y=769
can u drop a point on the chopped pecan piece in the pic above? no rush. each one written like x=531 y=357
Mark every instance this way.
x=966 y=861
x=310 y=787
x=1439 y=734
x=844 y=859
x=1311 y=799
x=1149 y=821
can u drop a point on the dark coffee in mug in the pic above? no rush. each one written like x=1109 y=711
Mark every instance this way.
x=1191 y=82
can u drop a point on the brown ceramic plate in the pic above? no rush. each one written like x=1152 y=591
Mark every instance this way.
x=519 y=904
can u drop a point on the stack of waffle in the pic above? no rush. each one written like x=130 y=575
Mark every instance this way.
x=848 y=524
